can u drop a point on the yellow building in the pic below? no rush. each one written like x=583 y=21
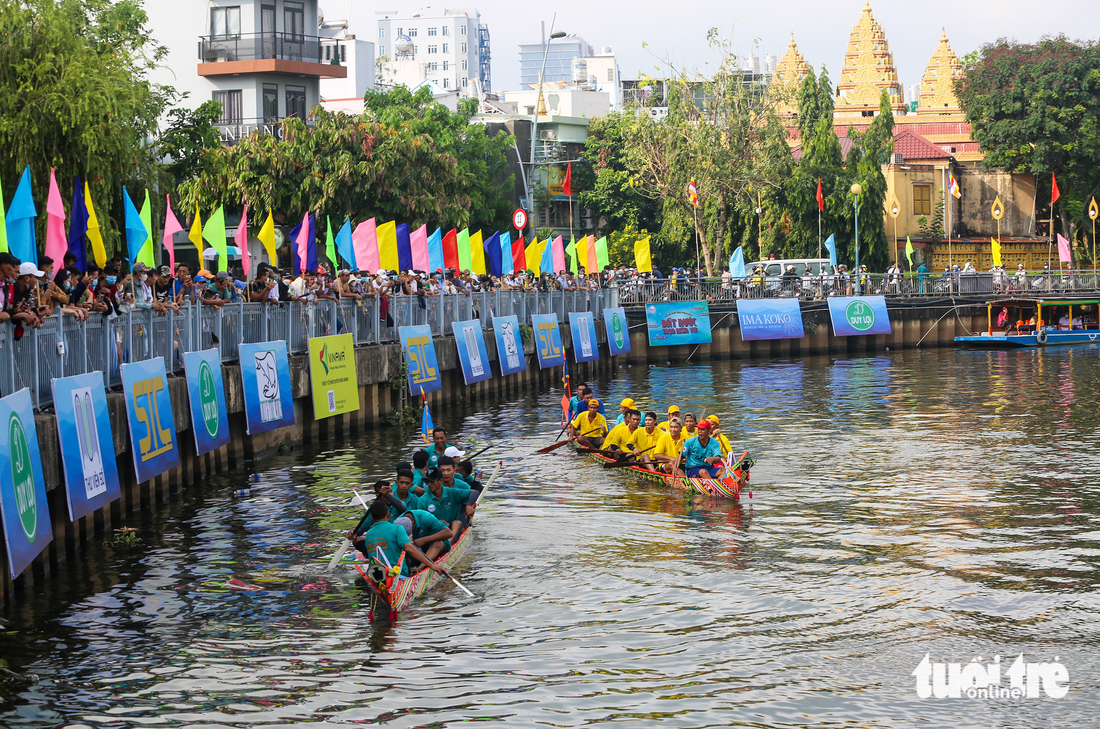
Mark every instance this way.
x=868 y=71
x=787 y=80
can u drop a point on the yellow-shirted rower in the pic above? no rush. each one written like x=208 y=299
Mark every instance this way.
x=589 y=428
x=716 y=433
x=620 y=436
x=668 y=448
x=644 y=439
x=673 y=412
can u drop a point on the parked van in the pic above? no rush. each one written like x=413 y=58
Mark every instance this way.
x=776 y=267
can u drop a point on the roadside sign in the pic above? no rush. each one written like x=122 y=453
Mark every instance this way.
x=519 y=218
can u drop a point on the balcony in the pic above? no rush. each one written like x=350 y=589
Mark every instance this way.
x=287 y=54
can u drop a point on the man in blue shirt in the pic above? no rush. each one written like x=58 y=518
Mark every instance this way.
x=385 y=538
x=703 y=454
x=438 y=447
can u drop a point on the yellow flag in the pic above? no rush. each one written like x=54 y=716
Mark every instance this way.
x=642 y=258
x=477 y=254
x=582 y=254
x=196 y=234
x=533 y=256
x=387 y=245
x=996 y=246
x=267 y=237
x=98 y=251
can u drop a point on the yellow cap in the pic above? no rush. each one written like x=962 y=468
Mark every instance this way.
x=594 y=400
x=713 y=419
x=673 y=409
x=627 y=403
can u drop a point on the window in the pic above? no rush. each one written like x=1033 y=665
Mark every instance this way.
x=464 y=30
x=446 y=65
x=446 y=30
x=433 y=66
x=400 y=31
x=231 y=106
x=446 y=82
x=412 y=32
x=296 y=101
x=381 y=32
x=610 y=74
x=271 y=102
x=225 y=22
x=464 y=62
x=463 y=47
x=433 y=48
x=343 y=54
x=294 y=19
x=922 y=199
x=465 y=82
x=432 y=31
x=381 y=50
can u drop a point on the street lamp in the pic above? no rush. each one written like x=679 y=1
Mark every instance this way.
x=535 y=126
x=856 y=191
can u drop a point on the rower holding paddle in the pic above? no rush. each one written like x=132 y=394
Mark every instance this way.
x=669 y=446
x=446 y=502
x=619 y=437
x=703 y=455
x=426 y=531
x=589 y=428
x=645 y=439
x=391 y=539
x=624 y=409
x=673 y=412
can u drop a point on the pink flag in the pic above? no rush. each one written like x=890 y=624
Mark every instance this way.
x=364 y=239
x=171 y=227
x=418 y=241
x=303 y=242
x=241 y=239
x=1063 y=250
x=593 y=266
x=559 y=256
x=56 y=243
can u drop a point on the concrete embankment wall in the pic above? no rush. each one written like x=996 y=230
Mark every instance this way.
x=380 y=383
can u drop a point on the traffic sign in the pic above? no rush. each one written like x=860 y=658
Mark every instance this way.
x=519 y=218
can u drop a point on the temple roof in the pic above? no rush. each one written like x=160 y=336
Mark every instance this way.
x=868 y=70
x=788 y=77
x=937 y=88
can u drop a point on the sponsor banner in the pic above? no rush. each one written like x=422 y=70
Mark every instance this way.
x=421 y=364
x=206 y=393
x=618 y=333
x=149 y=410
x=265 y=379
x=333 y=376
x=510 y=353
x=88 y=455
x=681 y=322
x=583 y=327
x=853 y=315
x=22 y=486
x=548 y=345
x=473 y=355
x=770 y=319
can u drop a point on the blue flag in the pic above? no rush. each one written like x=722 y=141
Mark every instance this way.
x=78 y=228
x=492 y=254
x=22 y=242
x=344 y=245
x=506 y=265
x=426 y=424
x=830 y=243
x=311 y=254
x=136 y=234
x=404 y=248
x=737 y=264
x=435 y=251
x=546 y=265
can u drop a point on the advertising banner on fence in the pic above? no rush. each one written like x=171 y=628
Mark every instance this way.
x=332 y=375
x=618 y=334
x=473 y=355
x=88 y=454
x=265 y=379
x=548 y=345
x=206 y=393
x=681 y=322
x=149 y=410
x=855 y=315
x=769 y=319
x=510 y=353
x=583 y=327
x=421 y=363
x=22 y=486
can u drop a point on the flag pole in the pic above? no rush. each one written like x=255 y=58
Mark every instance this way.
x=695 y=214
x=819 y=232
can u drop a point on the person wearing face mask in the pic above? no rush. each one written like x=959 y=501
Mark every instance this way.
x=143 y=295
x=63 y=288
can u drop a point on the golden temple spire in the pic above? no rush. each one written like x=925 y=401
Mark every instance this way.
x=790 y=71
x=868 y=70
x=937 y=88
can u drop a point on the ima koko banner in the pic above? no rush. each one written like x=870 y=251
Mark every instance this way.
x=333 y=376
x=265 y=379
x=421 y=363
x=88 y=456
x=22 y=485
x=149 y=410
x=681 y=322
x=769 y=319
x=618 y=334
x=472 y=353
x=853 y=315
x=548 y=345
x=206 y=392
x=510 y=353
x=583 y=327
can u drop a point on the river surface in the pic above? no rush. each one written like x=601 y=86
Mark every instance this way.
x=936 y=502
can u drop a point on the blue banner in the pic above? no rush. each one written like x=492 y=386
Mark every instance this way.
x=22 y=486
x=510 y=353
x=206 y=391
x=618 y=333
x=473 y=355
x=265 y=379
x=548 y=345
x=149 y=411
x=770 y=319
x=420 y=360
x=583 y=327
x=88 y=458
x=681 y=322
x=854 y=315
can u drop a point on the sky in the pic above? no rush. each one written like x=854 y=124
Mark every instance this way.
x=821 y=28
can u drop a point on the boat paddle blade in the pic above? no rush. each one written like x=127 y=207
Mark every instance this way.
x=339 y=555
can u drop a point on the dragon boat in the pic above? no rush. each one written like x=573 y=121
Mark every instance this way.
x=723 y=488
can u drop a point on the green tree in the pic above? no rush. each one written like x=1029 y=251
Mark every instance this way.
x=870 y=151
x=606 y=183
x=186 y=138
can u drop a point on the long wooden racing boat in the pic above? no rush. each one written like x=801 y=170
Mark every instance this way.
x=726 y=488
x=402 y=592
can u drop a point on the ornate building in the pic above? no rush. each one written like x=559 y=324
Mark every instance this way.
x=937 y=88
x=788 y=77
x=868 y=71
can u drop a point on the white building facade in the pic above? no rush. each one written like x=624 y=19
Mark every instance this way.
x=447 y=48
x=559 y=59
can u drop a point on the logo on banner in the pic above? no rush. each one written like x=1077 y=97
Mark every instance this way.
x=617 y=331
x=324 y=364
x=208 y=399
x=477 y=368
x=156 y=440
x=422 y=372
x=586 y=337
x=22 y=476
x=511 y=351
x=267 y=382
x=545 y=333
x=860 y=316
x=91 y=459
x=977 y=681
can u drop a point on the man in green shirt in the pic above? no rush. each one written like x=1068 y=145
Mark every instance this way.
x=438 y=447
x=384 y=492
x=446 y=503
x=426 y=531
x=391 y=540
x=420 y=465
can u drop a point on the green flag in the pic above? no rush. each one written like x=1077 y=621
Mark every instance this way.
x=465 y=262
x=145 y=255
x=601 y=253
x=3 y=225
x=214 y=233
x=909 y=251
x=571 y=249
x=330 y=245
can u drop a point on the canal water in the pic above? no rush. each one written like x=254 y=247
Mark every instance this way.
x=935 y=503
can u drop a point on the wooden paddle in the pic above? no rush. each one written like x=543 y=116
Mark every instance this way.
x=622 y=463
x=559 y=444
x=470 y=458
x=347 y=542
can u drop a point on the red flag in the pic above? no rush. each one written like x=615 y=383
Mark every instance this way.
x=450 y=249
x=820 y=197
x=567 y=183
x=519 y=255
x=1054 y=194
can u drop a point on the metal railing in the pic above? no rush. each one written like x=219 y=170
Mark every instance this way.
x=257 y=46
x=64 y=346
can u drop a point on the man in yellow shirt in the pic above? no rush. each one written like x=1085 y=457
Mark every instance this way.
x=668 y=448
x=644 y=439
x=589 y=428
x=619 y=437
x=689 y=425
x=673 y=412
x=624 y=408
x=716 y=433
